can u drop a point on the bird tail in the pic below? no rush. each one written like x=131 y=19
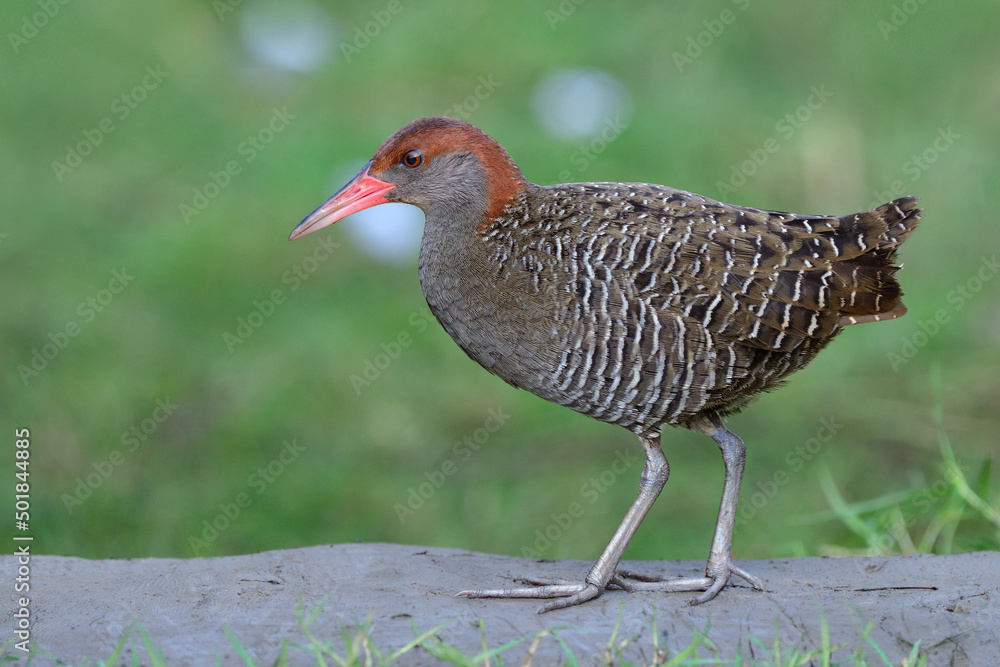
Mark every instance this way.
x=869 y=290
x=900 y=218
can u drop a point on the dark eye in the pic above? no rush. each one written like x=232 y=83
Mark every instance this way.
x=412 y=158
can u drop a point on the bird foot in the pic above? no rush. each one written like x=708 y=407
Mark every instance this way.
x=566 y=593
x=710 y=584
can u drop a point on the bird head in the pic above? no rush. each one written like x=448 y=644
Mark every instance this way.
x=443 y=165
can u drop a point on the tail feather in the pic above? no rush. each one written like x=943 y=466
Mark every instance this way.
x=835 y=272
x=868 y=290
x=894 y=221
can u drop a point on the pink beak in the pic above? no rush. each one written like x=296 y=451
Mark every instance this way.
x=362 y=192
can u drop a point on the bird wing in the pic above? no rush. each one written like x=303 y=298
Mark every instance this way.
x=764 y=278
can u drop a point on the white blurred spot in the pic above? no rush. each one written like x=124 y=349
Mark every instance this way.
x=296 y=36
x=389 y=233
x=576 y=103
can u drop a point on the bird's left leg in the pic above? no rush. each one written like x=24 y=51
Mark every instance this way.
x=720 y=560
x=654 y=476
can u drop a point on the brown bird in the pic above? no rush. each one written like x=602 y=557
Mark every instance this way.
x=636 y=304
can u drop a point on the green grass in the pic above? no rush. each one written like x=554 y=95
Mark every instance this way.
x=356 y=648
x=162 y=337
x=956 y=512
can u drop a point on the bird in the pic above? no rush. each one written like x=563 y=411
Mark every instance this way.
x=636 y=304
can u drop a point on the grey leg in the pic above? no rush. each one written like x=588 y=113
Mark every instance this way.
x=720 y=561
x=654 y=476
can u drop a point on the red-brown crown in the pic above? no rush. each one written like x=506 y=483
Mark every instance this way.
x=436 y=135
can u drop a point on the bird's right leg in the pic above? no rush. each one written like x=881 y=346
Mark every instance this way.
x=654 y=476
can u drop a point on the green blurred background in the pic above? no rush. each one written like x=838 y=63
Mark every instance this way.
x=910 y=93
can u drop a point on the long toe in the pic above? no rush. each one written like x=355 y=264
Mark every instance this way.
x=547 y=591
x=711 y=591
x=638 y=576
x=544 y=581
x=756 y=582
x=563 y=593
x=633 y=581
x=720 y=581
x=710 y=585
x=589 y=592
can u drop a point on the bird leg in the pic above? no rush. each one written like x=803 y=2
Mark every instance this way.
x=654 y=476
x=603 y=574
x=720 y=561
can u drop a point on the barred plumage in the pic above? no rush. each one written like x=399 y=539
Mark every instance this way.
x=635 y=304
x=667 y=304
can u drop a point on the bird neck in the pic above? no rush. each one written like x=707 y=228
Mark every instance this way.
x=464 y=283
x=452 y=252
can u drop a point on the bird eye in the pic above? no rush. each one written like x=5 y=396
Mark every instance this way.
x=412 y=158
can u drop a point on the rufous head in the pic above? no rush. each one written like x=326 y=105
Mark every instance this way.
x=432 y=162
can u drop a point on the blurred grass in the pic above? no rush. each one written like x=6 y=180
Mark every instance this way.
x=162 y=336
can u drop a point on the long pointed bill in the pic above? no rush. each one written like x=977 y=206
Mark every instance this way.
x=362 y=192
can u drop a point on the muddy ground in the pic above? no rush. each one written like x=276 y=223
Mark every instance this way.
x=80 y=608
